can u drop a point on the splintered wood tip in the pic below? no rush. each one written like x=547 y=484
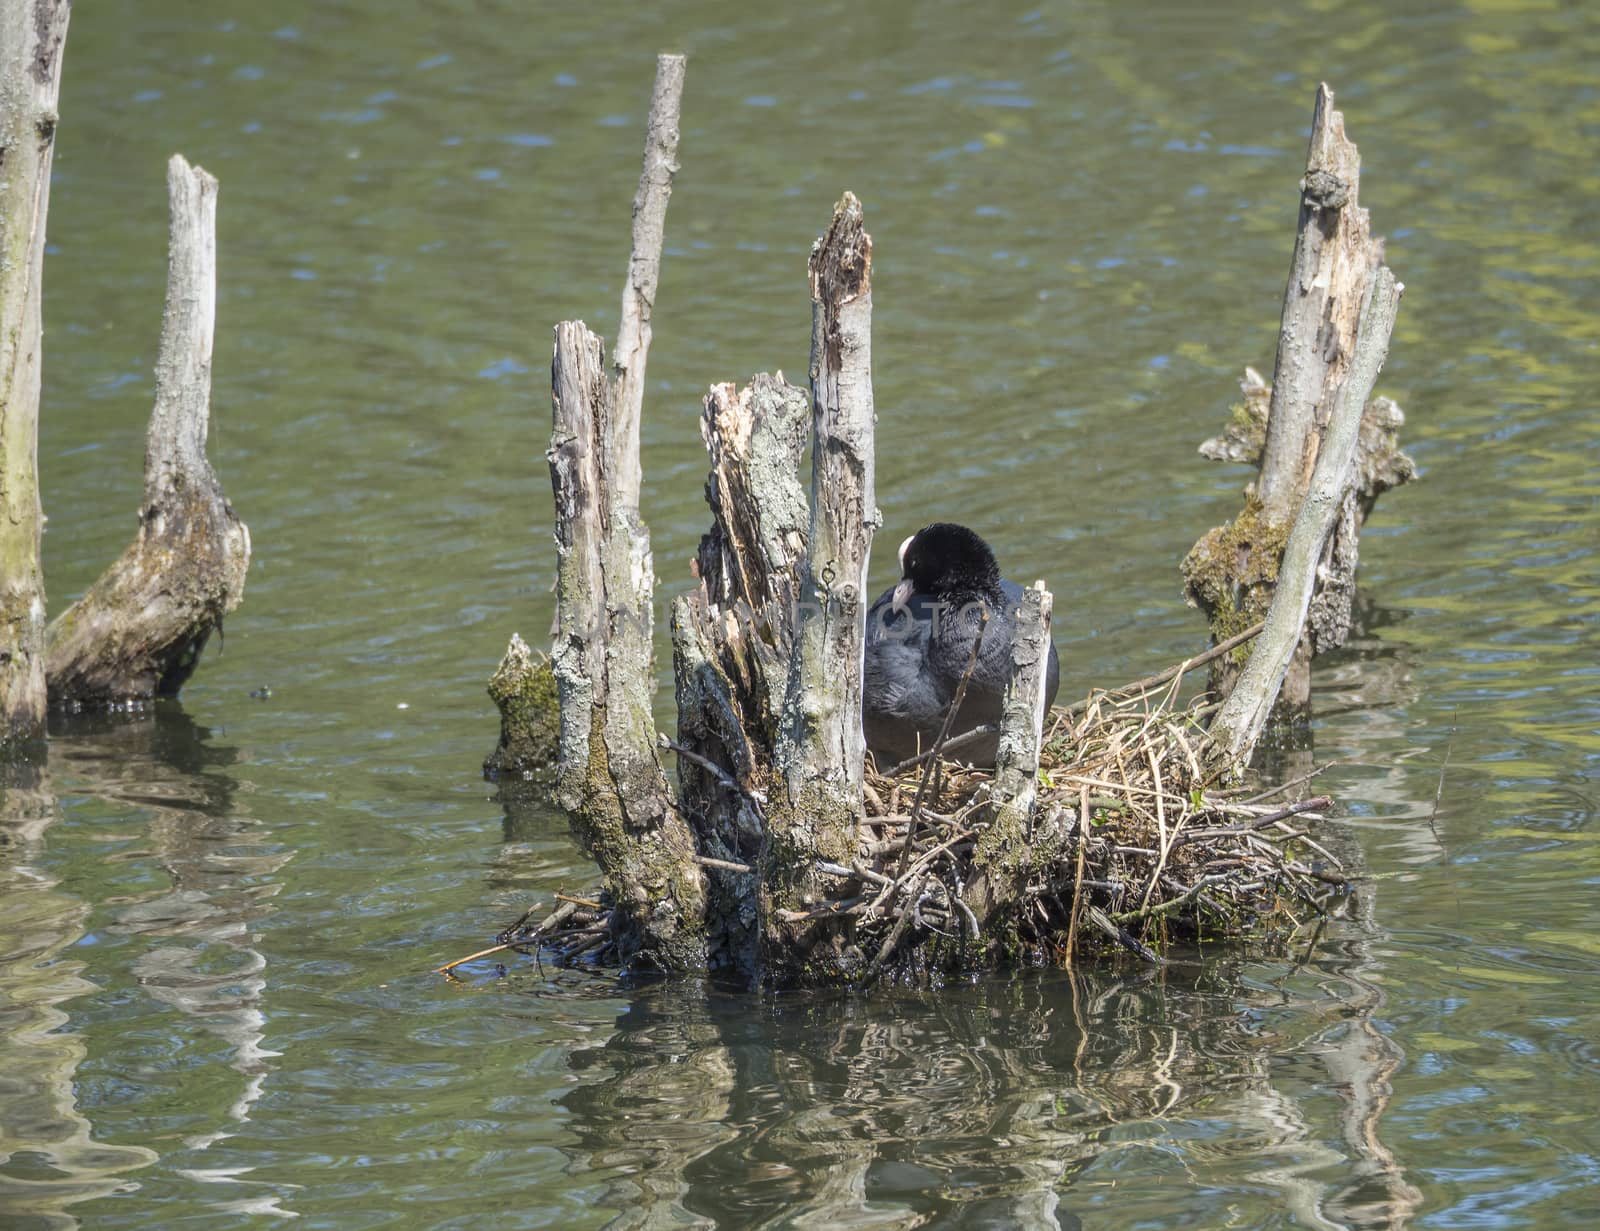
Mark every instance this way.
x=841 y=260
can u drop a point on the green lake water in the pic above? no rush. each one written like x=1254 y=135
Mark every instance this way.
x=218 y=923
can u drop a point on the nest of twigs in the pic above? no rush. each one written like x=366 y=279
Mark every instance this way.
x=1132 y=843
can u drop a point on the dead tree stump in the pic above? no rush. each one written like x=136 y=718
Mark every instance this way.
x=731 y=641
x=1244 y=715
x=609 y=778
x=1232 y=572
x=821 y=751
x=139 y=630
x=31 y=40
x=1005 y=851
x=768 y=649
x=524 y=689
x=778 y=856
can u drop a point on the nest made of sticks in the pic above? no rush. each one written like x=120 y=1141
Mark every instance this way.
x=1132 y=843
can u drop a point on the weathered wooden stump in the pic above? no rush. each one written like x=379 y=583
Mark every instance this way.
x=31 y=40
x=523 y=687
x=1232 y=573
x=139 y=630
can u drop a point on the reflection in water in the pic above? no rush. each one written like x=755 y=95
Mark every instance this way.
x=49 y=1159
x=157 y=766
x=1013 y=1102
x=1028 y=1102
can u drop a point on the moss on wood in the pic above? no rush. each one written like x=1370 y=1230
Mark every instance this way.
x=523 y=687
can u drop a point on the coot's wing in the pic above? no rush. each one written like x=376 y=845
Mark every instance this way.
x=903 y=701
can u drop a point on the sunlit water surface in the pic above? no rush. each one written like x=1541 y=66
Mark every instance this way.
x=217 y=925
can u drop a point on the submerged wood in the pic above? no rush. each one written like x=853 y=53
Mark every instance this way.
x=1232 y=572
x=139 y=630
x=609 y=778
x=1244 y=715
x=32 y=36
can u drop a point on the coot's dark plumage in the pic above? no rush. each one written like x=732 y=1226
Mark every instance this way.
x=919 y=638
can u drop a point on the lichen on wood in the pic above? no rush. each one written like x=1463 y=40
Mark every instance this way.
x=1244 y=714
x=609 y=779
x=139 y=630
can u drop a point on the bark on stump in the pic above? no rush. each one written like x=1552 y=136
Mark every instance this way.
x=821 y=750
x=768 y=649
x=32 y=36
x=139 y=631
x=1006 y=851
x=731 y=642
x=765 y=861
x=1232 y=572
x=609 y=778
x=1244 y=715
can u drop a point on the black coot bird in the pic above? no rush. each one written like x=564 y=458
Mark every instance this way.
x=919 y=640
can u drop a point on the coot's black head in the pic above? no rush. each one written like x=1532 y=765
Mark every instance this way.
x=950 y=562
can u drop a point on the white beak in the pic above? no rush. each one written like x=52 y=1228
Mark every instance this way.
x=903 y=547
x=902 y=593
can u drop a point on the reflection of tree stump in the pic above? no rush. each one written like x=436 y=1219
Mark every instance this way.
x=139 y=631
x=885 y=1113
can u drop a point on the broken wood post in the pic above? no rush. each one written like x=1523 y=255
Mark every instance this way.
x=644 y=267
x=820 y=753
x=1334 y=256
x=1004 y=854
x=32 y=35
x=527 y=705
x=609 y=778
x=731 y=640
x=523 y=688
x=1231 y=574
x=139 y=630
x=1242 y=718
